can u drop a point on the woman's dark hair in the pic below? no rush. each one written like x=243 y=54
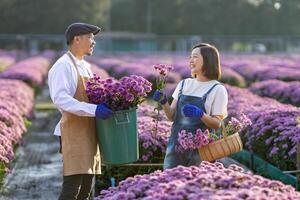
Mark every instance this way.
x=211 y=61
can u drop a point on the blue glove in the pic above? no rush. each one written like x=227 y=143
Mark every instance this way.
x=190 y=110
x=160 y=97
x=103 y=111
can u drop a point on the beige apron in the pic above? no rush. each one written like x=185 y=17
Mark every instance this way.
x=79 y=139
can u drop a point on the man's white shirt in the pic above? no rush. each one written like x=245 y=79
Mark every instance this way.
x=62 y=81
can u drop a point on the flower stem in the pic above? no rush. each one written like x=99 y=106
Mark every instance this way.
x=157 y=118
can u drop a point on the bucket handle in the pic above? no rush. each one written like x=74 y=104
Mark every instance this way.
x=126 y=121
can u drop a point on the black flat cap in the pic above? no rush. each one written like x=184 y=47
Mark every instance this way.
x=80 y=29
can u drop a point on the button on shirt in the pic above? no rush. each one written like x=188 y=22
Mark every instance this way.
x=62 y=81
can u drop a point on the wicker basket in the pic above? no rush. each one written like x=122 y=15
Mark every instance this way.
x=221 y=148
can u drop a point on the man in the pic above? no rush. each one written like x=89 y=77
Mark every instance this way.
x=79 y=146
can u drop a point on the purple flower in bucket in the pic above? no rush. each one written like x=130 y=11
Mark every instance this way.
x=128 y=92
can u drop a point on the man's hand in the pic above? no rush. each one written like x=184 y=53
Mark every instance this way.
x=103 y=111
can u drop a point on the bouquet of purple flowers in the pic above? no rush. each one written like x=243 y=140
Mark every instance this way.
x=128 y=92
x=162 y=70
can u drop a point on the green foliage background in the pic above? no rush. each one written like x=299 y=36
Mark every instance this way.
x=170 y=17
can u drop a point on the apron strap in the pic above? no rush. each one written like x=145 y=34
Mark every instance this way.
x=180 y=91
x=74 y=64
x=205 y=95
x=73 y=61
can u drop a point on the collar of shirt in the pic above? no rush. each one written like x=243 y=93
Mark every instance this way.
x=77 y=61
x=83 y=65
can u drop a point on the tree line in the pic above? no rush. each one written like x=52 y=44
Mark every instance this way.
x=163 y=17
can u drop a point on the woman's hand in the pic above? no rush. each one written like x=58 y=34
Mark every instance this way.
x=160 y=97
x=190 y=110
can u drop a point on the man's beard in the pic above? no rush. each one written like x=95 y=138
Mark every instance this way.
x=89 y=53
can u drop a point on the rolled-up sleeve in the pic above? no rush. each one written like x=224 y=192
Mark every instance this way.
x=219 y=106
x=62 y=81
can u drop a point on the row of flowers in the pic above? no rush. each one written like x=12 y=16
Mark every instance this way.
x=31 y=70
x=235 y=68
x=208 y=181
x=275 y=128
x=264 y=67
x=16 y=102
x=285 y=92
x=6 y=61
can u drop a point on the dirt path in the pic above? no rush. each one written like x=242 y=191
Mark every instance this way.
x=36 y=172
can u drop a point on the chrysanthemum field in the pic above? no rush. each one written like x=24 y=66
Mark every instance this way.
x=263 y=87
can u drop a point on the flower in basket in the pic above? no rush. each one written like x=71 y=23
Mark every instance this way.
x=236 y=125
x=128 y=92
x=162 y=71
x=189 y=140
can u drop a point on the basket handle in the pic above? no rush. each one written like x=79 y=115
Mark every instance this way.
x=224 y=132
x=119 y=122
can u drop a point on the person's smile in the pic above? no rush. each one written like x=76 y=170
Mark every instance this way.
x=192 y=66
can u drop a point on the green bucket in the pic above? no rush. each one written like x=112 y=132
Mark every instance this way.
x=118 y=139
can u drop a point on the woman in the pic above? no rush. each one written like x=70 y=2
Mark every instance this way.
x=199 y=102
